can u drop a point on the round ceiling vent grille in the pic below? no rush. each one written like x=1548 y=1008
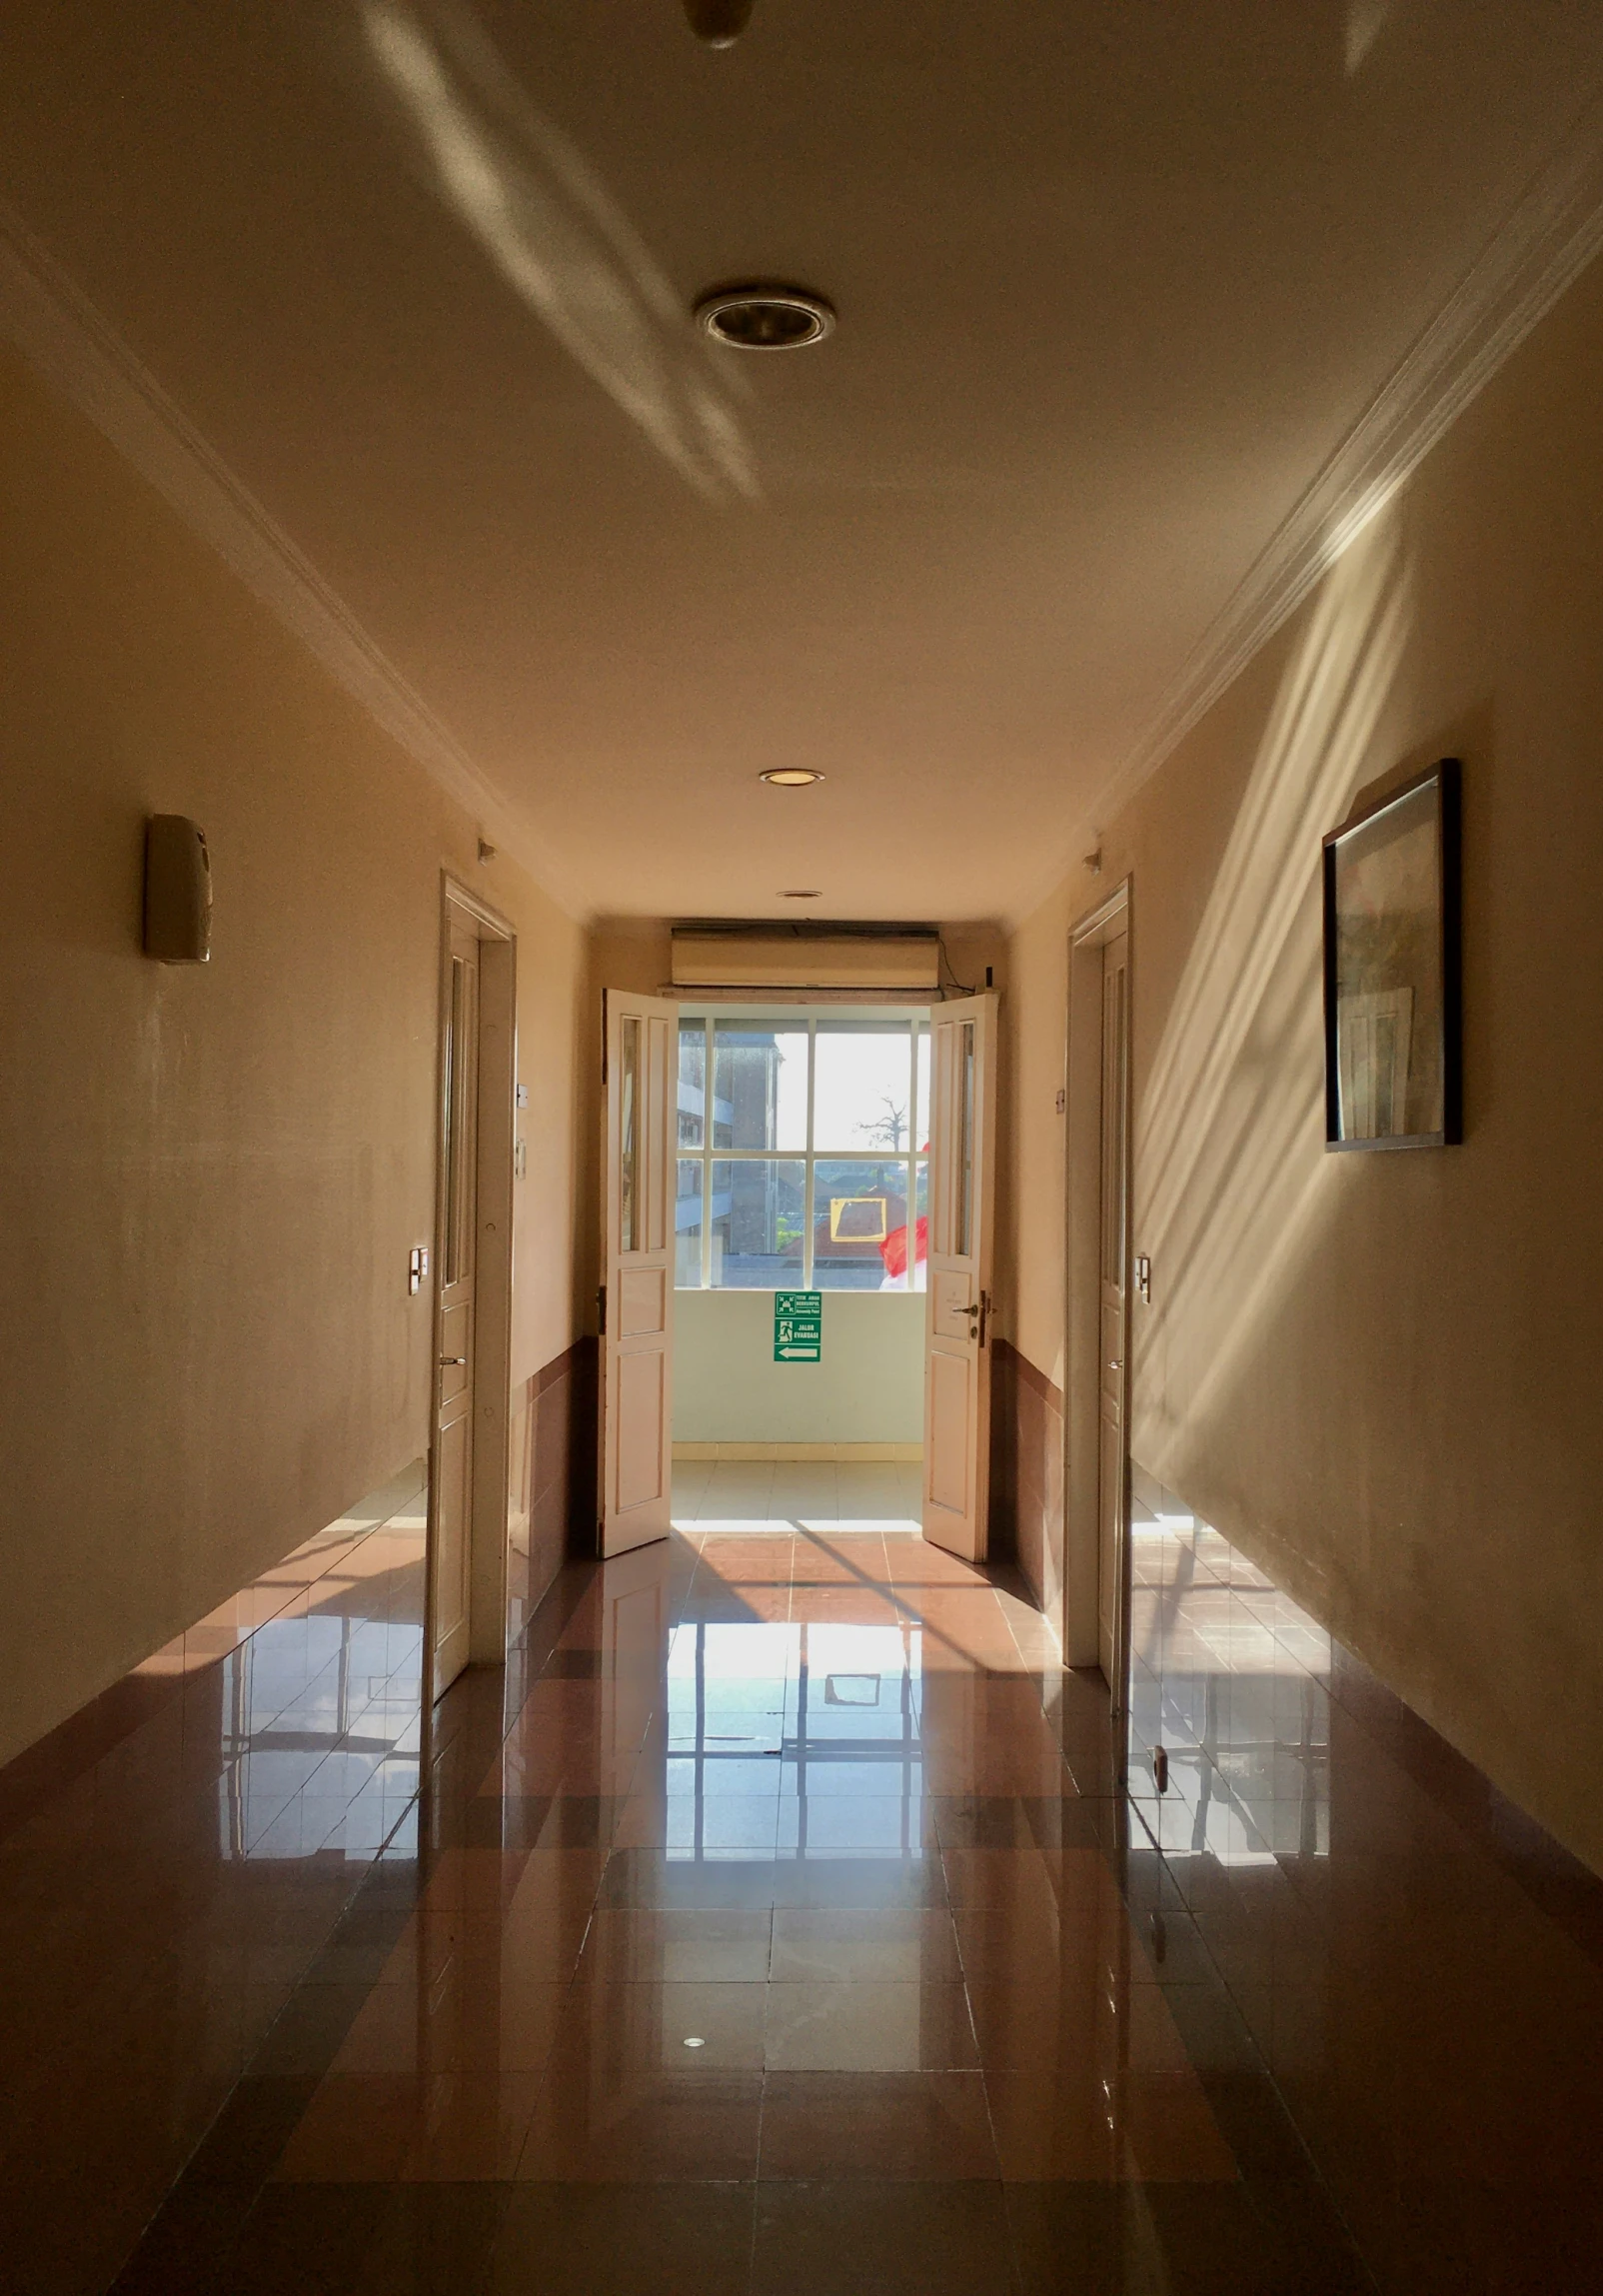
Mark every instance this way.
x=765 y=317
x=719 y=23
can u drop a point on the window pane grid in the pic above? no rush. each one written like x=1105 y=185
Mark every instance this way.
x=839 y=1213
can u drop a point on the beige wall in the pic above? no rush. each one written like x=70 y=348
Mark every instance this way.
x=1380 y=1373
x=867 y=1387
x=212 y=1176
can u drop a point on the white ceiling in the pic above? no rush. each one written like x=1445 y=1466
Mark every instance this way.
x=1113 y=280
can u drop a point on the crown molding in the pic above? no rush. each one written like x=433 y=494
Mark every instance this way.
x=1550 y=236
x=74 y=350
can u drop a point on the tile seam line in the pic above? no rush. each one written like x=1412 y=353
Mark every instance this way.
x=1314 y=2170
x=244 y=2073
x=1351 y=1705
x=171 y=1688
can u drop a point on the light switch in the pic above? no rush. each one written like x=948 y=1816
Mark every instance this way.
x=522 y=1096
x=416 y=1268
x=1143 y=1277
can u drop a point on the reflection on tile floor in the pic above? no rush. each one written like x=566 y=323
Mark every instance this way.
x=173 y=1861
x=780 y=1920
x=780 y=1496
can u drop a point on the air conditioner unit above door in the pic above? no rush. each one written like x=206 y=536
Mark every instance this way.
x=903 y=963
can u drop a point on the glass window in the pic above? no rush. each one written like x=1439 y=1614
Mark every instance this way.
x=965 y=1138
x=859 y=1206
x=627 y=1154
x=757 y=1218
x=862 y=1088
x=920 y=1265
x=688 y=1223
x=802 y=1142
x=458 y=1119
x=692 y=1085
x=759 y=1086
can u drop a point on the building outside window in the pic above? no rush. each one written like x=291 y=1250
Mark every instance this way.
x=802 y=1150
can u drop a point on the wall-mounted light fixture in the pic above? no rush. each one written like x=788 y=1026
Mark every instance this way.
x=178 y=890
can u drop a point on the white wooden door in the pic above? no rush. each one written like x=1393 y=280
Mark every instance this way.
x=636 y=1462
x=455 y=1247
x=1112 y=1476
x=962 y=1107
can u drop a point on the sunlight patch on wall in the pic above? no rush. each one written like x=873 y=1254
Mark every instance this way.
x=1229 y=1162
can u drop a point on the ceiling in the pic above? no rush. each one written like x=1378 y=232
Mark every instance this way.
x=1113 y=280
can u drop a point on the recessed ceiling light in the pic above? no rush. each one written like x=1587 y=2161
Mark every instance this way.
x=765 y=317
x=816 y=896
x=790 y=777
x=694 y=2041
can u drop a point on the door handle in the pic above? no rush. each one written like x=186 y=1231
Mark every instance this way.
x=445 y=1359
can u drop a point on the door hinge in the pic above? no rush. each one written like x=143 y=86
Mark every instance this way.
x=601 y=1311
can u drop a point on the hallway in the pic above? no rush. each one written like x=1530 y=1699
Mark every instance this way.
x=778 y=1922
x=804 y=1168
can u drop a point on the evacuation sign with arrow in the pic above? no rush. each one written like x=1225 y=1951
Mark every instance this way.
x=798 y=1326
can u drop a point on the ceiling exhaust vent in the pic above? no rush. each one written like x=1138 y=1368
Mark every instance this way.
x=895 y=960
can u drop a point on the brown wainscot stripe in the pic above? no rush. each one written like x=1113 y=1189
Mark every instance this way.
x=1027 y=1469
x=553 y=1512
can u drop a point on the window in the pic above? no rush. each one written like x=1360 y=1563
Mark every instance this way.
x=798 y=1166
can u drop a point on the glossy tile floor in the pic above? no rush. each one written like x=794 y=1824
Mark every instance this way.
x=784 y=1918
x=796 y=1494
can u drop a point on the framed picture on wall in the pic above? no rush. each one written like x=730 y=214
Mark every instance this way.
x=1391 y=949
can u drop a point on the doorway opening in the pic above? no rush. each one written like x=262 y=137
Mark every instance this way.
x=1095 y=1623
x=801 y=1167
x=466 y=1596
x=797 y=1225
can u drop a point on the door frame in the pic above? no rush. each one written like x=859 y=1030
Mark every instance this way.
x=609 y=1296
x=987 y=1042
x=490 y=1455
x=710 y=1001
x=1114 y=914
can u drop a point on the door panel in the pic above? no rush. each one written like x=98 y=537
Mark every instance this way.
x=641 y=1448
x=951 y=1412
x=452 y=1496
x=642 y=1308
x=957 y=1353
x=1112 y=1473
x=637 y=1255
x=954 y=1298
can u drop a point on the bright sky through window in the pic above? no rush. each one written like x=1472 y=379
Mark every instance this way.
x=766 y=1201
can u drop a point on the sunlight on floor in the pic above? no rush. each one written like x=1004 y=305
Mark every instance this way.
x=781 y=1496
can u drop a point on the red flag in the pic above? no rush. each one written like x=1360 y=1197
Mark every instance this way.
x=893 y=1251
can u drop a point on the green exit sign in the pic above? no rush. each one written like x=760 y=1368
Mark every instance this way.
x=798 y=1326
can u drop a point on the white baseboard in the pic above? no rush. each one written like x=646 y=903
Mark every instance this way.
x=841 y=1452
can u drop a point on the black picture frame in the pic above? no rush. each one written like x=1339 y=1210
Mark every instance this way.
x=1393 y=986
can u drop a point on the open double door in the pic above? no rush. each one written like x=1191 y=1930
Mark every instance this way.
x=637 y=1205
